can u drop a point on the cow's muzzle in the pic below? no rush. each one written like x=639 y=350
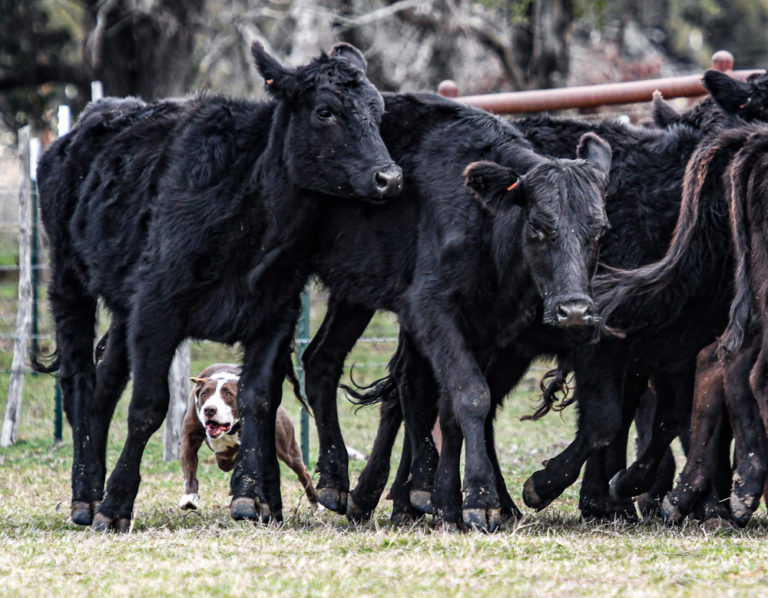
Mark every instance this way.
x=575 y=312
x=388 y=181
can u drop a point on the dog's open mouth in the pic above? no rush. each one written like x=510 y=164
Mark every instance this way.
x=215 y=429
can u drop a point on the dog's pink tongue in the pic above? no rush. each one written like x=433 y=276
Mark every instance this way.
x=216 y=429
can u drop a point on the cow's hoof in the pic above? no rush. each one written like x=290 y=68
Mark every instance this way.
x=531 y=497
x=441 y=525
x=355 y=513
x=404 y=518
x=189 y=501
x=422 y=501
x=81 y=513
x=332 y=499
x=716 y=524
x=670 y=513
x=484 y=520
x=613 y=486
x=101 y=523
x=123 y=525
x=269 y=516
x=510 y=513
x=742 y=508
x=244 y=508
x=647 y=505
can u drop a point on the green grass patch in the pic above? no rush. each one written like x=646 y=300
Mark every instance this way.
x=317 y=553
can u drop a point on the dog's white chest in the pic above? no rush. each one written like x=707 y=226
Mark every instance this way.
x=224 y=443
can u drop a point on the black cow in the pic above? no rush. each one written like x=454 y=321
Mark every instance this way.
x=741 y=381
x=187 y=218
x=463 y=275
x=642 y=203
x=671 y=309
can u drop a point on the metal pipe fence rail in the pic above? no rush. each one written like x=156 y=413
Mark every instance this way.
x=32 y=259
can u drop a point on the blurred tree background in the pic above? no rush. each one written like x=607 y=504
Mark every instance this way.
x=51 y=49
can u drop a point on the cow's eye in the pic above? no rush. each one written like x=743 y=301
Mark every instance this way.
x=324 y=114
x=535 y=233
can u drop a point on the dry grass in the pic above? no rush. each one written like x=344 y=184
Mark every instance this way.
x=171 y=552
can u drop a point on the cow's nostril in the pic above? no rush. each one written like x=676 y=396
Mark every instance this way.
x=381 y=180
x=389 y=182
x=574 y=313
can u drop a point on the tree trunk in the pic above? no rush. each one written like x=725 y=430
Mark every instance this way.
x=142 y=48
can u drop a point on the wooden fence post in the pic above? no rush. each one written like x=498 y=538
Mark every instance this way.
x=178 y=385
x=24 y=310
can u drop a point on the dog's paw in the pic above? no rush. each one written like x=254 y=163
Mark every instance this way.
x=189 y=501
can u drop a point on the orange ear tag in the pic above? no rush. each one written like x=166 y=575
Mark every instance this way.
x=514 y=185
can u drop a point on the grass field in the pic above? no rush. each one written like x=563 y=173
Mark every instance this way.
x=171 y=552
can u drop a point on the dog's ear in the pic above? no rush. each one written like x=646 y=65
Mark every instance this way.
x=199 y=382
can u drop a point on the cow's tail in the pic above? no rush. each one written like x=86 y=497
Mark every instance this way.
x=378 y=391
x=44 y=364
x=745 y=183
x=631 y=291
x=290 y=373
x=555 y=386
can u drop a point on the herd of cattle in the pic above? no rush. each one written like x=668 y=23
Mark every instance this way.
x=205 y=218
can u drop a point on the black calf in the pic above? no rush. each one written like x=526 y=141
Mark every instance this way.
x=187 y=217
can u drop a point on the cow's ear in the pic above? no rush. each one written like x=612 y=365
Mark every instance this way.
x=596 y=151
x=664 y=115
x=280 y=81
x=493 y=183
x=351 y=54
x=729 y=93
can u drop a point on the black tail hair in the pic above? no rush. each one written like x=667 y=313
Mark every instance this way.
x=290 y=373
x=553 y=382
x=744 y=182
x=617 y=288
x=45 y=364
x=378 y=391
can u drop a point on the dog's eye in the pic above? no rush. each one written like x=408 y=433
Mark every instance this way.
x=204 y=394
x=228 y=395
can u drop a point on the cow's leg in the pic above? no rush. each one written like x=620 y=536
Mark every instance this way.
x=503 y=372
x=112 y=372
x=255 y=480
x=600 y=418
x=74 y=312
x=403 y=512
x=698 y=472
x=446 y=496
x=673 y=399
x=509 y=510
x=464 y=386
x=152 y=347
x=749 y=443
x=595 y=502
x=418 y=399
x=323 y=361
x=365 y=496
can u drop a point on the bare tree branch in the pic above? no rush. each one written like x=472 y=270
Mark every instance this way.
x=379 y=14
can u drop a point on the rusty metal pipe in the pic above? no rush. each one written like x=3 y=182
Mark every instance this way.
x=590 y=96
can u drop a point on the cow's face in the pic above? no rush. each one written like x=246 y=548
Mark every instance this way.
x=746 y=99
x=216 y=403
x=332 y=140
x=564 y=218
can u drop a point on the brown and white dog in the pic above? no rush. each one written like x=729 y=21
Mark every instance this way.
x=212 y=417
